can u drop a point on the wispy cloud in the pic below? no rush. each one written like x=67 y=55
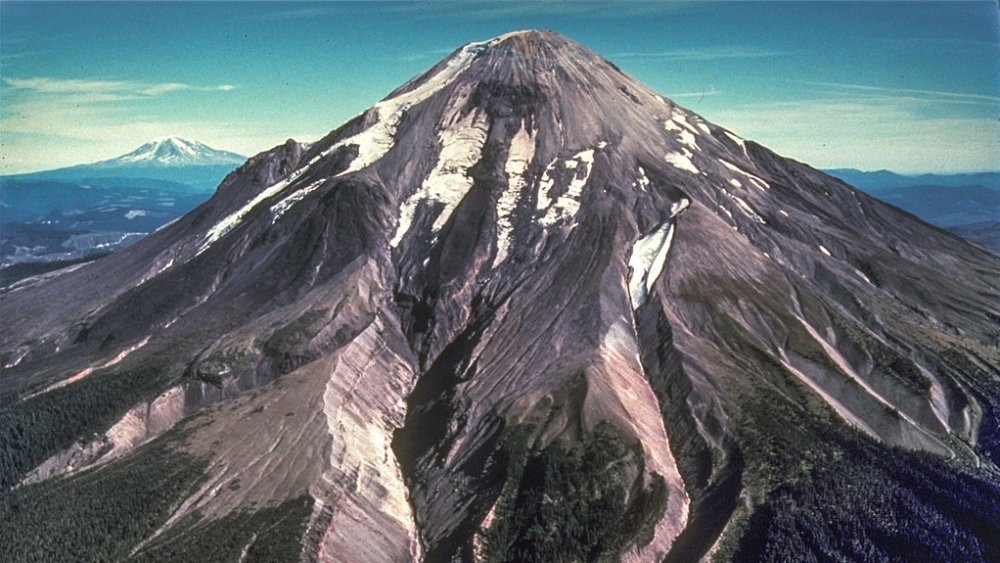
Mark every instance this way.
x=432 y=54
x=868 y=133
x=299 y=13
x=924 y=44
x=113 y=89
x=412 y=57
x=12 y=56
x=71 y=143
x=57 y=86
x=701 y=54
x=937 y=96
x=492 y=10
x=88 y=115
x=701 y=94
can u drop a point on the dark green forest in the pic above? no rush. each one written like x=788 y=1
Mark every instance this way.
x=849 y=499
x=579 y=502
x=103 y=515
x=31 y=430
x=269 y=535
x=96 y=515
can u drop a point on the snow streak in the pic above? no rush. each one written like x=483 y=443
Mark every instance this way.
x=649 y=256
x=461 y=148
x=519 y=157
x=565 y=206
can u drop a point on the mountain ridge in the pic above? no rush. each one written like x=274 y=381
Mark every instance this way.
x=526 y=308
x=878 y=180
x=966 y=204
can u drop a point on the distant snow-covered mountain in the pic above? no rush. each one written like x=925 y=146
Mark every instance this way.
x=172 y=159
x=59 y=216
x=172 y=152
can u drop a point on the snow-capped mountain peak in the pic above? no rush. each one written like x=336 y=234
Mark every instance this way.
x=173 y=159
x=174 y=151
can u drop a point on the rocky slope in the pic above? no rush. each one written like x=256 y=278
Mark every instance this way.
x=524 y=308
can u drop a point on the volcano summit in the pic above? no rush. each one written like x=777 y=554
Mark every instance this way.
x=522 y=309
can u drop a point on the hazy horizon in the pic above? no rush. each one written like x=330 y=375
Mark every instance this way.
x=909 y=88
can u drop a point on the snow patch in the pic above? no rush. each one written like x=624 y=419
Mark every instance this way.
x=783 y=212
x=565 y=206
x=461 y=148
x=745 y=207
x=682 y=161
x=755 y=180
x=519 y=157
x=545 y=184
x=17 y=357
x=167 y=224
x=121 y=239
x=157 y=269
x=735 y=183
x=678 y=206
x=649 y=255
x=738 y=141
x=824 y=250
x=231 y=221
x=685 y=136
x=681 y=119
x=643 y=181
x=280 y=208
x=375 y=141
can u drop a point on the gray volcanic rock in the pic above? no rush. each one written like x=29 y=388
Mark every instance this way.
x=525 y=308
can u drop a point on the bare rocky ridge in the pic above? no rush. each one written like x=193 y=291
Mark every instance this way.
x=521 y=276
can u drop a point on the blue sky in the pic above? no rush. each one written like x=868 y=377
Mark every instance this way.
x=912 y=87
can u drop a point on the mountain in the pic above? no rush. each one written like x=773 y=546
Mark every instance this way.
x=172 y=152
x=171 y=159
x=876 y=181
x=522 y=309
x=946 y=206
x=59 y=216
x=966 y=204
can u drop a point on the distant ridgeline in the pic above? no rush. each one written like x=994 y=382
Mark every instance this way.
x=965 y=204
